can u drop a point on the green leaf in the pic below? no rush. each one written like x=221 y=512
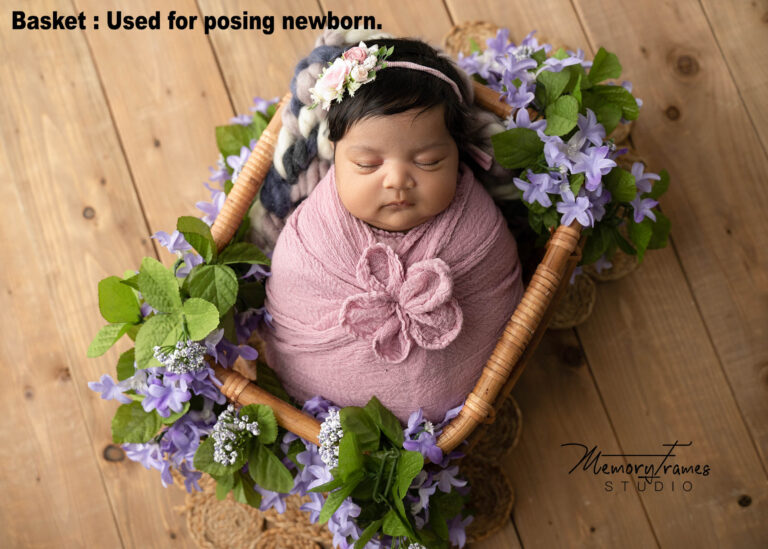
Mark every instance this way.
x=660 y=232
x=107 y=336
x=175 y=416
x=198 y=234
x=355 y=419
x=216 y=284
x=473 y=47
x=554 y=83
x=131 y=281
x=243 y=252
x=243 y=491
x=369 y=532
x=560 y=54
x=621 y=184
x=268 y=471
x=335 y=499
x=640 y=234
x=660 y=186
x=595 y=246
x=201 y=316
x=386 y=421
x=328 y=486
x=269 y=381
x=350 y=456
x=125 y=367
x=576 y=92
x=228 y=323
x=117 y=302
x=539 y=56
x=224 y=484
x=265 y=417
x=231 y=138
x=576 y=180
x=517 y=148
x=608 y=114
x=605 y=65
x=203 y=460
x=393 y=526
x=132 y=424
x=159 y=286
x=616 y=95
x=252 y=294
x=562 y=115
x=158 y=330
x=409 y=464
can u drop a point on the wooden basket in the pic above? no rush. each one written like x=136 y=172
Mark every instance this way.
x=521 y=335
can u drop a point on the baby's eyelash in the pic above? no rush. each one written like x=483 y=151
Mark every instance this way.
x=419 y=163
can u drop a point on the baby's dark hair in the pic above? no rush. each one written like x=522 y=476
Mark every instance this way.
x=398 y=89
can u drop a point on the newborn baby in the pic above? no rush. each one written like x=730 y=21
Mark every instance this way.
x=396 y=276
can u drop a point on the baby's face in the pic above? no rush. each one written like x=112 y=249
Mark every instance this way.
x=397 y=158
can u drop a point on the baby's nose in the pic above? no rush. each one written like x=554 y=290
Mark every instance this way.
x=398 y=178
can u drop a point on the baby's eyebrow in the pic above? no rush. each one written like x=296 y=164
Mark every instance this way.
x=434 y=145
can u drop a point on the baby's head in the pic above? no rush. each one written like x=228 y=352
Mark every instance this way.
x=400 y=139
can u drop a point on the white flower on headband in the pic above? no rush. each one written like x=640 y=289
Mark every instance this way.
x=355 y=67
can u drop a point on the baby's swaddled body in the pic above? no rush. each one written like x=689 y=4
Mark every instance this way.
x=409 y=317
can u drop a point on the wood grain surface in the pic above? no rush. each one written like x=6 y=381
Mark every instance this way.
x=107 y=137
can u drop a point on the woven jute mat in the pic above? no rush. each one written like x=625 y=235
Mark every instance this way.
x=227 y=524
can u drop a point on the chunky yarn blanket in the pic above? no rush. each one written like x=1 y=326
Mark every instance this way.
x=409 y=317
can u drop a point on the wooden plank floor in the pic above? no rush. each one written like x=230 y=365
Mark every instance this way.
x=107 y=137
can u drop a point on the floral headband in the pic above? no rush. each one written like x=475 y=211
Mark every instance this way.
x=358 y=66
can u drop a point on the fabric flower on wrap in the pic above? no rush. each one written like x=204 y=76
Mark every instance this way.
x=400 y=309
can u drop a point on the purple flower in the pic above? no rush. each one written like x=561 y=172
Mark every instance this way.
x=601 y=264
x=590 y=129
x=148 y=454
x=314 y=506
x=594 y=165
x=261 y=105
x=219 y=174
x=499 y=44
x=211 y=209
x=576 y=271
x=598 y=199
x=191 y=259
x=174 y=242
x=317 y=406
x=109 y=389
x=556 y=65
x=536 y=191
x=643 y=180
x=257 y=270
x=164 y=398
x=236 y=162
x=447 y=478
x=575 y=208
x=242 y=119
x=642 y=208
x=457 y=530
x=579 y=54
x=523 y=120
x=422 y=483
x=224 y=352
x=558 y=153
x=270 y=499
x=427 y=445
x=414 y=423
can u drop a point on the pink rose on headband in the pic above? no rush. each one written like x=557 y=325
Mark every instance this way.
x=331 y=83
x=356 y=54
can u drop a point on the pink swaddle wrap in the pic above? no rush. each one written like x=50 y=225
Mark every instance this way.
x=409 y=317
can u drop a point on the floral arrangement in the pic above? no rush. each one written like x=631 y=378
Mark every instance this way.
x=556 y=139
x=355 y=67
x=386 y=485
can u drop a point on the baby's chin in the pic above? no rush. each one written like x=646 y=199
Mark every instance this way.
x=396 y=224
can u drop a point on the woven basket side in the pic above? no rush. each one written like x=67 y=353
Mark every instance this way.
x=503 y=367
